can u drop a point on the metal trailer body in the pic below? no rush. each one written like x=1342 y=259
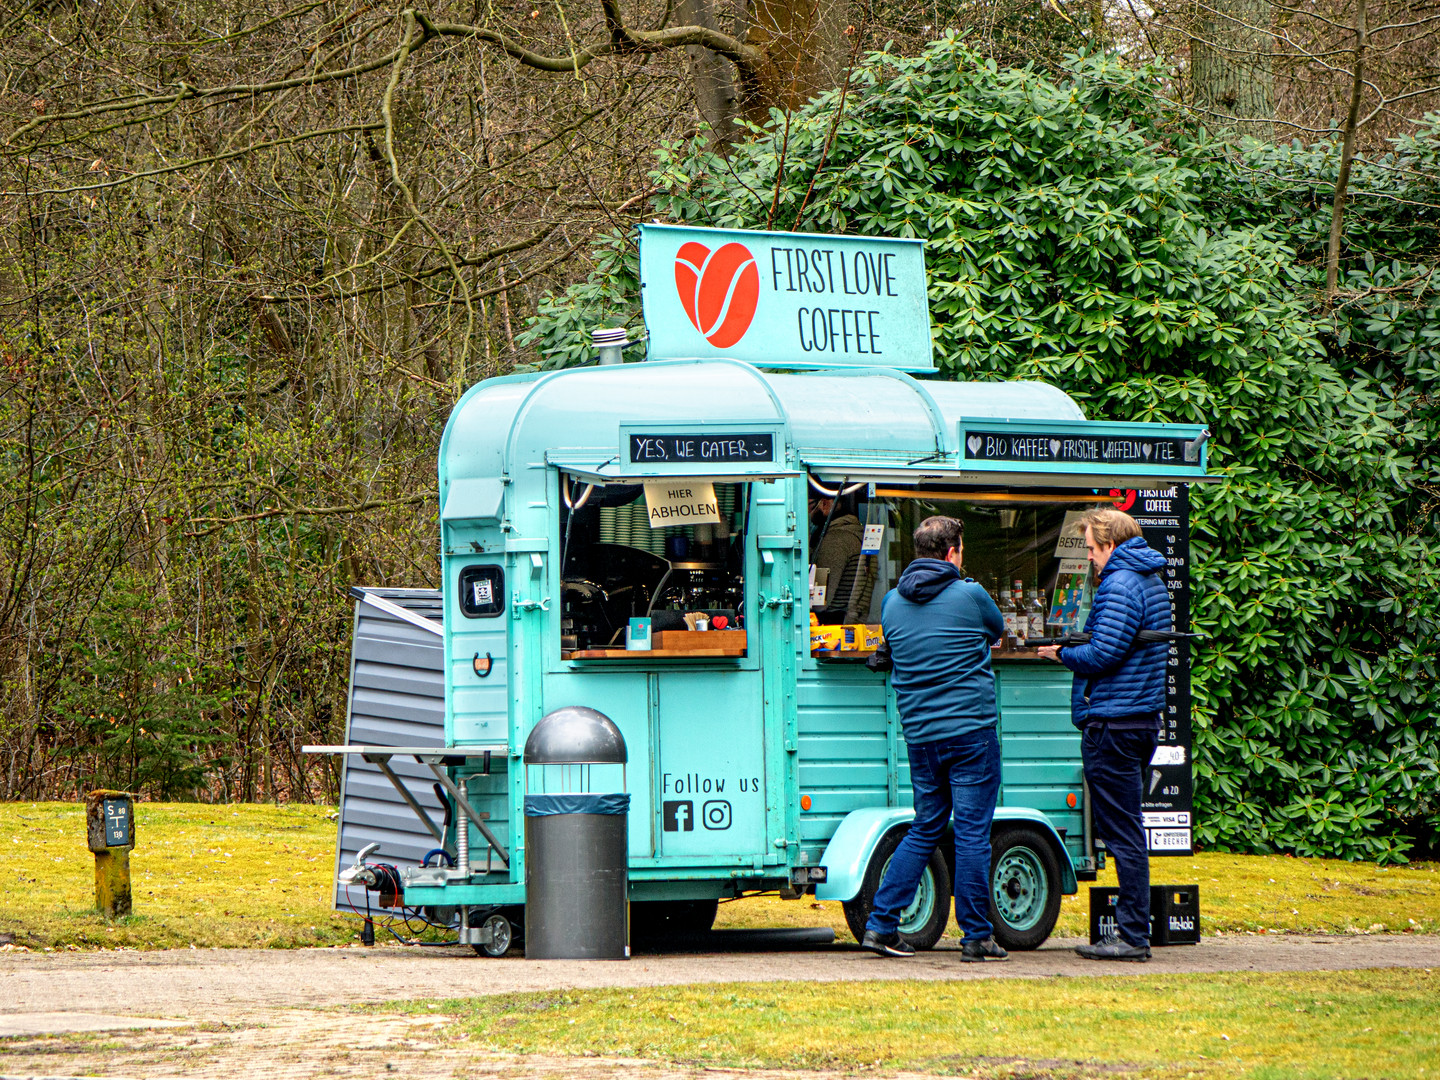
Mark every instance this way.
x=397 y=698
x=724 y=749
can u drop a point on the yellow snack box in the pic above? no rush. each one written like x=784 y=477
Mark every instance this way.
x=826 y=637
x=874 y=637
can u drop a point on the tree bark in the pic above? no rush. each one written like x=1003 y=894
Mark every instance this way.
x=718 y=93
x=1231 y=67
x=804 y=50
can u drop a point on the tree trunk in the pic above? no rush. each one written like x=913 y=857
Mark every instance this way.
x=717 y=84
x=1231 y=69
x=1347 y=155
x=804 y=43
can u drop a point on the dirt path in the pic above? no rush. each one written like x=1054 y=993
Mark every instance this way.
x=258 y=1013
x=196 y=983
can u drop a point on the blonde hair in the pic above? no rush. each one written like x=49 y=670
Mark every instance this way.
x=1109 y=528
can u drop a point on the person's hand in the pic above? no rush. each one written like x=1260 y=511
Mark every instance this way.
x=1049 y=652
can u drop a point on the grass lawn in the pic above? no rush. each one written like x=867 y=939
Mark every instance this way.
x=1297 y=1025
x=248 y=875
x=202 y=875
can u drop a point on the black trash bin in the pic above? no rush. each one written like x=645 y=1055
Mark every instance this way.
x=576 y=846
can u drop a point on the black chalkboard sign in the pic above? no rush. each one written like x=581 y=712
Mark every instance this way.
x=1068 y=448
x=701 y=449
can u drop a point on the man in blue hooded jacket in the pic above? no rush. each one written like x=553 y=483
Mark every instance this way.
x=939 y=627
x=1116 y=702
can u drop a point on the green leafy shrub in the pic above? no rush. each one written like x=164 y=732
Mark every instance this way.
x=1065 y=243
x=1361 y=687
x=141 y=710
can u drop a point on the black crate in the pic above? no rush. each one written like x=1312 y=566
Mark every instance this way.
x=1174 y=914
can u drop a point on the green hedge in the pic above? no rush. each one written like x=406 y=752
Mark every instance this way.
x=1075 y=236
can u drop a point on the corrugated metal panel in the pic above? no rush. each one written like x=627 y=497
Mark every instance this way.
x=397 y=698
x=1041 y=747
x=843 y=749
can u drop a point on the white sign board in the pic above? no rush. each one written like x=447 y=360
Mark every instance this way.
x=874 y=537
x=1070 y=548
x=681 y=502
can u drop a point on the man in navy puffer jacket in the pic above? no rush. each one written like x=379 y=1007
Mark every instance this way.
x=1117 y=700
x=939 y=627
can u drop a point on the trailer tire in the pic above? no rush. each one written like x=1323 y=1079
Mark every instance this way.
x=1024 y=886
x=658 y=919
x=504 y=926
x=923 y=922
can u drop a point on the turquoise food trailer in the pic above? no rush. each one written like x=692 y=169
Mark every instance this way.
x=668 y=503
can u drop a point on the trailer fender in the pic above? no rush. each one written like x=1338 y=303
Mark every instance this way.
x=849 y=850
x=848 y=854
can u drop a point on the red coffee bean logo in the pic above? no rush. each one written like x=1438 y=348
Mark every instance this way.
x=718 y=289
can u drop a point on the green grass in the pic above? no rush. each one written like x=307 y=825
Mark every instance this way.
x=202 y=875
x=248 y=875
x=1301 y=1025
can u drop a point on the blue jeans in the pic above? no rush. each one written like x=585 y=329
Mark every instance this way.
x=1115 y=764
x=959 y=777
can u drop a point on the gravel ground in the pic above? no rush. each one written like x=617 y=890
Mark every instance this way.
x=268 y=1013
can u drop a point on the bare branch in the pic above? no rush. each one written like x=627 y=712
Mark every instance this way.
x=191 y=163
x=218 y=523
x=415 y=36
x=624 y=39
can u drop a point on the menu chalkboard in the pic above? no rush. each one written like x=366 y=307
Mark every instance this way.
x=1167 y=796
x=1070 y=448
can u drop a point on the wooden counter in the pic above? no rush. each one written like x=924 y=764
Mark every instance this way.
x=674 y=644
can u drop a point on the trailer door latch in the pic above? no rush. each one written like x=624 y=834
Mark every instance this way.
x=518 y=606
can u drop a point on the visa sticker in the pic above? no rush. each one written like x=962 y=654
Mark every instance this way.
x=874 y=537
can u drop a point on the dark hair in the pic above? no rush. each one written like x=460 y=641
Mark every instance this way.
x=935 y=536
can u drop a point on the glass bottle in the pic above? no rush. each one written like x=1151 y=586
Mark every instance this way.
x=1022 y=616
x=1011 y=615
x=1036 y=610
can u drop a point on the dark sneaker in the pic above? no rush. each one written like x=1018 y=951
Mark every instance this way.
x=891 y=944
x=975 y=952
x=1115 y=948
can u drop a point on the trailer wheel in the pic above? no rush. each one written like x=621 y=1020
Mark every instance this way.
x=1024 y=886
x=502 y=936
x=922 y=923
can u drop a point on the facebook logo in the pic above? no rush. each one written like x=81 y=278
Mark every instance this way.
x=679 y=815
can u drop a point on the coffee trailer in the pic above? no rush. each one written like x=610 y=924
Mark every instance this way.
x=588 y=506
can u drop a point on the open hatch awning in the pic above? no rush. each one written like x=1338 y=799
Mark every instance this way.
x=598 y=471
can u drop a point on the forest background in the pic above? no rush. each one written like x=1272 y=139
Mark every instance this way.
x=252 y=258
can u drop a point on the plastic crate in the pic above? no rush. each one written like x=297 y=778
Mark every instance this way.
x=1174 y=914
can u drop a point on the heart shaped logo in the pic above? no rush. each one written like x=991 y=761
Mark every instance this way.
x=718 y=289
x=974 y=442
x=1145 y=450
x=1055 y=448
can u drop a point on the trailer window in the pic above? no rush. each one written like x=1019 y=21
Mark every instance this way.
x=688 y=580
x=1018 y=544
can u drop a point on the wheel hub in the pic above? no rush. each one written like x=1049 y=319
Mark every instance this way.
x=1019 y=891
